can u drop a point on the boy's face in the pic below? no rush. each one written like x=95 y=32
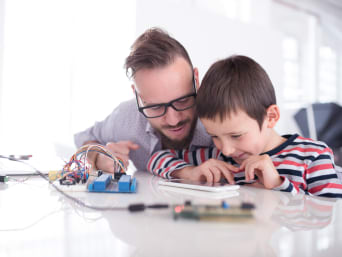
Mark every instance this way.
x=239 y=136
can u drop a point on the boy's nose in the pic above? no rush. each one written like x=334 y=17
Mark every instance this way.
x=227 y=150
x=172 y=116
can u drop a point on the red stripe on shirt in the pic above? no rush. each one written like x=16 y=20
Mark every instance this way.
x=151 y=160
x=202 y=154
x=304 y=138
x=162 y=160
x=300 y=149
x=321 y=187
x=289 y=162
x=167 y=169
x=298 y=185
x=186 y=156
x=326 y=166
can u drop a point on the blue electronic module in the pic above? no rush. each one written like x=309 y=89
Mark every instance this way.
x=105 y=184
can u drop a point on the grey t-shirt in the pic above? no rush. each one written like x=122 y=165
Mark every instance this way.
x=127 y=123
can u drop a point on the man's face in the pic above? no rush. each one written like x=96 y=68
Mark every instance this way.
x=162 y=85
x=239 y=136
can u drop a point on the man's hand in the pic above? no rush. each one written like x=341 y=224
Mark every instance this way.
x=211 y=171
x=262 y=166
x=120 y=149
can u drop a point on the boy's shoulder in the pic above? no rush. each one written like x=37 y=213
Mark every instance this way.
x=301 y=150
x=301 y=147
x=306 y=148
x=309 y=144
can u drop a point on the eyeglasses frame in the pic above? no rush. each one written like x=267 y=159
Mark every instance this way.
x=167 y=105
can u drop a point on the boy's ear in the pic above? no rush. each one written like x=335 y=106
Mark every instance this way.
x=272 y=115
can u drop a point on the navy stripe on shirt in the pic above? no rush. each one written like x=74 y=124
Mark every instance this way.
x=158 y=158
x=289 y=171
x=322 y=177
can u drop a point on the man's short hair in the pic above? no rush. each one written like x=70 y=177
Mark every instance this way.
x=233 y=84
x=153 y=49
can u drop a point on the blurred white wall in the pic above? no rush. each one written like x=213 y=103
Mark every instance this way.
x=2 y=14
x=209 y=33
x=61 y=62
x=263 y=29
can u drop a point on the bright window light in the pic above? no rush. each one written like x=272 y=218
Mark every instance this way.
x=327 y=75
x=292 y=92
x=62 y=69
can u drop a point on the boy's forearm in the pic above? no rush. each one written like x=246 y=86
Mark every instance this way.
x=182 y=173
x=165 y=163
x=288 y=186
x=274 y=180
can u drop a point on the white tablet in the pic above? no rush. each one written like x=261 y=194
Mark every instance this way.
x=203 y=186
x=199 y=193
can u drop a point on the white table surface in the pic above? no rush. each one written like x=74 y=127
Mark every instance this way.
x=35 y=220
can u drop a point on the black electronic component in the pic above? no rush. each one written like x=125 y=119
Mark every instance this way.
x=117 y=175
x=3 y=178
x=99 y=173
x=141 y=207
x=67 y=181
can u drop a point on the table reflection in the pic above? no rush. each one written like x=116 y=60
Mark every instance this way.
x=304 y=212
x=300 y=212
x=151 y=232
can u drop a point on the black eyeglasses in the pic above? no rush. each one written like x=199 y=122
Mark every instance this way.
x=180 y=104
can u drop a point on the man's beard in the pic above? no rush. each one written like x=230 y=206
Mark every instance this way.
x=168 y=143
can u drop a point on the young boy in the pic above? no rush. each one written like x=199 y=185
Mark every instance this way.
x=237 y=105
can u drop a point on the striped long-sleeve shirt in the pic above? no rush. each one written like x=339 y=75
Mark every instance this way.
x=305 y=165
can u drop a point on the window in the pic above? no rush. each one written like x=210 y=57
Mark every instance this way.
x=292 y=91
x=62 y=68
x=327 y=90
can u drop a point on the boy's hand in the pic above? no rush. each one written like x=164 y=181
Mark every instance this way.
x=211 y=171
x=262 y=166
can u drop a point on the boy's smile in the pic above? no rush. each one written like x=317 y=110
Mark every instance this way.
x=239 y=136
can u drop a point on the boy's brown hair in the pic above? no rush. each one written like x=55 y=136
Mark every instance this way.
x=232 y=84
x=154 y=48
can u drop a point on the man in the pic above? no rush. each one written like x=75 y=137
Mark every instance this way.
x=162 y=116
